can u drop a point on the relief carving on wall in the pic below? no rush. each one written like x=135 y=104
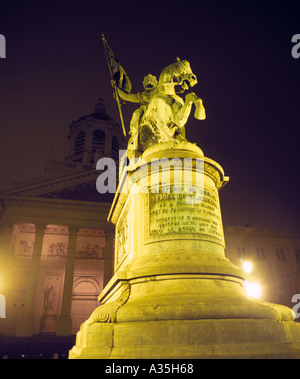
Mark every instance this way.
x=57 y=249
x=89 y=251
x=25 y=249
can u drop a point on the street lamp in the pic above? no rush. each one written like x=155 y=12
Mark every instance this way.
x=247 y=266
x=253 y=289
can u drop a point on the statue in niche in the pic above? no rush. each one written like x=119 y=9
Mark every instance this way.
x=49 y=299
x=163 y=113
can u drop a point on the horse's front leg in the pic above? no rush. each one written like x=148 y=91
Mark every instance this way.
x=200 y=110
x=181 y=113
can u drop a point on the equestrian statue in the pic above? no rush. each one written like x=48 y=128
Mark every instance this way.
x=162 y=114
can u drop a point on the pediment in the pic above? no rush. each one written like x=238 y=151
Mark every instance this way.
x=79 y=186
x=81 y=192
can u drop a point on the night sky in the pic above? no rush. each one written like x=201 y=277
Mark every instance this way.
x=56 y=71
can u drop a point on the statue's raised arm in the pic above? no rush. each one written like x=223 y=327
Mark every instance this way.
x=150 y=86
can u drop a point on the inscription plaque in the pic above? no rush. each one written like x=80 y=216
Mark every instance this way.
x=172 y=213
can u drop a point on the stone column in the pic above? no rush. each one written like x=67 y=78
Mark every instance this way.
x=26 y=324
x=5 y=259
x=64 y=323
x=108 y=255
x=5 y=239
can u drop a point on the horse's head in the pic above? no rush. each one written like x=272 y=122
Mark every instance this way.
x=179 y=73
x=186 y=76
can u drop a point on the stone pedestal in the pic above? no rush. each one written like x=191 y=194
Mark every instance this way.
x=174 y=294
x=48 y=323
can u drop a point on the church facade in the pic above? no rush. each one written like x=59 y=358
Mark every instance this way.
x=56 y=243
x=57 y=247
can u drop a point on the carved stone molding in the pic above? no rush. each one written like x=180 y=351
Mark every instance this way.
x=283 y=313
x=107 y=313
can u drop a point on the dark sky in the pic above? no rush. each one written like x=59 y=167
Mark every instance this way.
x=56 y=70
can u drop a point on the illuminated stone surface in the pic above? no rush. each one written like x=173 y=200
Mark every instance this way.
x=174 y=294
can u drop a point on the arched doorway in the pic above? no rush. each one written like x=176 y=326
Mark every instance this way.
x=84 y=300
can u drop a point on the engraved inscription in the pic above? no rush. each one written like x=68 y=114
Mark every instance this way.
x=171 y=213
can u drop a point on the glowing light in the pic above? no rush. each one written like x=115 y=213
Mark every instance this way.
x=253 y=289
x=247 y=266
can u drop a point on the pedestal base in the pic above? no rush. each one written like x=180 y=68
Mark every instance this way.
x=186 y=316
x=191 y=339
x=48 y=324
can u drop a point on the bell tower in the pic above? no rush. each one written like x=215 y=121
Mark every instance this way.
x=94 y=136
x=91 y=137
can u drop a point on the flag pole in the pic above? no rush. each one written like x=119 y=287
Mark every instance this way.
x=114 y=85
